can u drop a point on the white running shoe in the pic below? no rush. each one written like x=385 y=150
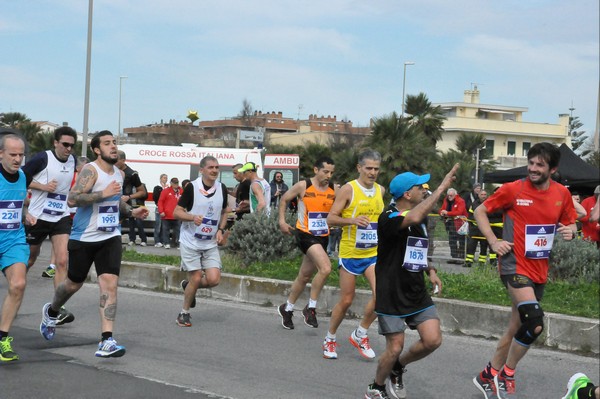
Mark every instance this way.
x=109 y=348
x=329 y=349
x=362 y=344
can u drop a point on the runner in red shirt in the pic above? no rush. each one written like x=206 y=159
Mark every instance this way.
x=535 y=208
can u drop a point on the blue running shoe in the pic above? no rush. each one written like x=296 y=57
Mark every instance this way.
x=109 y=348
x=48 y=324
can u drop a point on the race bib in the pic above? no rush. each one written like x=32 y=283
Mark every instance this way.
x=538 y=240
x=317 y=223
x=366 y=237
x=55 y=205
x=11 y=213
x=207 y=229
x=415 y=257
x=108 y=217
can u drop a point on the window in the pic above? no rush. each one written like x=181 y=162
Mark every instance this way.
x=511 y=148
x=526 y=147
x=489 y=148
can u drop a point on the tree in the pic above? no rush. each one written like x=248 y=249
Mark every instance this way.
x=428 y=119
x=13 y=119
x=403 y=147
x=578 y=138
x=248 y=117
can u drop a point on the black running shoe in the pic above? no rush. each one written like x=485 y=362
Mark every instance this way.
x=286 y=317
x=184 y=284
x=310 y=317
x=64 y=317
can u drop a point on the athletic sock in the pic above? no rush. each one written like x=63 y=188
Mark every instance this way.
x=489 y=371
x=398 y=367
x=508 y=371
x=330 y=336
x=289 y=307
x=185 y=311
x=361 y=332
x=312 y=303
x=106 y=335
x=3 y=334
x=53 y=313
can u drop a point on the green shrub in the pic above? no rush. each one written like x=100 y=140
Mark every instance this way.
x=574 y=261
x=257 y=238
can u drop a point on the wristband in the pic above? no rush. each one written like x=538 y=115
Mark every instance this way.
x=222 y=230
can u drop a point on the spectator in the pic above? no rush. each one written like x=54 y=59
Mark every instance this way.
x=166 y=206
x=134 y=194
x=454 y=213
x=157 y=220
x=278 y=188
x=260 y=190
x=184 y=183
x=472 y=196
x=591 y=229
x=242 y=192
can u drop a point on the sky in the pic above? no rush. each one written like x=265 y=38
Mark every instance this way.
x=333 y=57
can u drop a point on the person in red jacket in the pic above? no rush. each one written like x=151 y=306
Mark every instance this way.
x=590 y=229
x=166 y=206
x=454 y=212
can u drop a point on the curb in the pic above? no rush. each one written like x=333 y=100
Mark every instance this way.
x=562 y=332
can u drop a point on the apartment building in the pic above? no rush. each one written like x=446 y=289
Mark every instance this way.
x=507 y=136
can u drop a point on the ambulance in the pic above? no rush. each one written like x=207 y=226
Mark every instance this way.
x=183 y=162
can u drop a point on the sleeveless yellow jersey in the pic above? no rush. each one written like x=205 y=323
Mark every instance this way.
x=361 y=242
x=313 y=209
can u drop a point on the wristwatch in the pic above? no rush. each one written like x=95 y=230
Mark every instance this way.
x=222 y=230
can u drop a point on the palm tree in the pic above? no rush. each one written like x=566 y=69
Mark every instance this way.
x=428 y=119
x=403 y=147
x=13 y=119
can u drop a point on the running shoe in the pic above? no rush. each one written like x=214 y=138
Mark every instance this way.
x=131 y=243
x=64 y=317
x=286 y=317
x=374 y=393
x=50 y=272
x=486 y=386
x=310 y=317
x=362 y=344
x=6 y=352
x=167 y=246
x=184 y=284
x=576 y=382
x=184 y=320
x=48 y=324
x=158 y=245
x=394 y=385
x=329 y=349
x=505 y=386
x=143 y=244
x=109 y=348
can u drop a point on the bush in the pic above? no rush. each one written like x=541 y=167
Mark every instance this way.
x=574 y=261
x=257 y=238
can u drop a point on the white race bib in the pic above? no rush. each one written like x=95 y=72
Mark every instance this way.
x=366 y=237
x=108 y=217
x=415 y=257
x=55 y=205
x=538 y=240
x=207 y=229
x=11 y=213
x=317 y=223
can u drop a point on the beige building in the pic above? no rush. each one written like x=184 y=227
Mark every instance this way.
x=507 y=137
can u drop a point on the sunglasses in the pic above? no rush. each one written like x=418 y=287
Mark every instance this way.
x=67 y=145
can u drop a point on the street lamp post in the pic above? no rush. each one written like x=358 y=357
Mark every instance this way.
x=120 y=92
x=404 y=83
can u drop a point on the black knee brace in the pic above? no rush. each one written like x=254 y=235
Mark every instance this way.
x=532 y=317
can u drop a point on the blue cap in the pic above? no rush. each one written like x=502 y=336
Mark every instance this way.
x=405 y=181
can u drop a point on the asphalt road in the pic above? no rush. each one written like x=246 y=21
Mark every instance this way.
x=234 y=351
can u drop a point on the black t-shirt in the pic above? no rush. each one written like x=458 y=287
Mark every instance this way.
x=399 y=292
x=14 y=177
x=243 y=194
x=186 y=201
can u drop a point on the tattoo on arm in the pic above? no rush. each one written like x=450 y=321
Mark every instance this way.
x=80 y=194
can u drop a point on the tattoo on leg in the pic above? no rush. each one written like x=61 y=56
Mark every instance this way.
x=103 y=299
x=110 y=312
